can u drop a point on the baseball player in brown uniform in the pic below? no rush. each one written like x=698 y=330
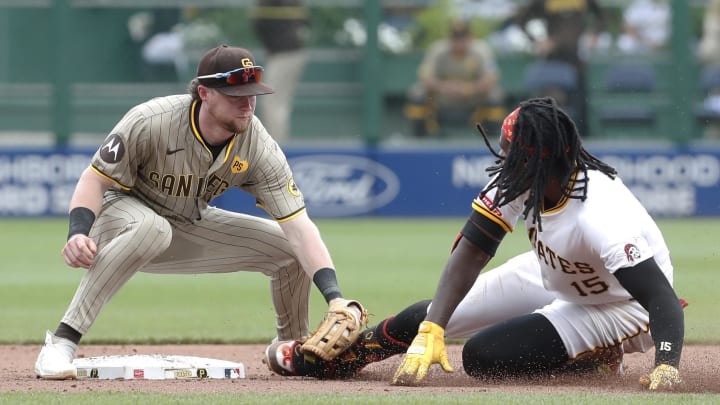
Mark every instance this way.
x=143 y=205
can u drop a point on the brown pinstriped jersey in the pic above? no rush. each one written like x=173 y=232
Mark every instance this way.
x=156 y=153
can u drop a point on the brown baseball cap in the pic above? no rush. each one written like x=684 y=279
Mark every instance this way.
x=224 y=59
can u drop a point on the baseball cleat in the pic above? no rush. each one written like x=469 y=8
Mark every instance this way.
x=612 y=361
x=55 y=359
x=606 y=361
x=285 y=358
x=279 y=357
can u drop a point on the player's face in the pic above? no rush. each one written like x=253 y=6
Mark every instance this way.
x=234 y=113
x=504 y=145
x=505 y=149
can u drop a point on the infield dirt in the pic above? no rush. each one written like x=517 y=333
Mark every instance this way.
x=700 y=368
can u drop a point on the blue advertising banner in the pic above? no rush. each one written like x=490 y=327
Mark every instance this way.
x=39 y=182
x=357 y=182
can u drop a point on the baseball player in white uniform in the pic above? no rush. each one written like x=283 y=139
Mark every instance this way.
x=143 y=205
x=597 y=282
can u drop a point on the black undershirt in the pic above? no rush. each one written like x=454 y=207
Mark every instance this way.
x=216 y=149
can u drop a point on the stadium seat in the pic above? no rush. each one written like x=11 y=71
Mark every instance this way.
x=627 y=81
x=708 y=111
x=629 y=103
x=555 y=79
x=546 y=74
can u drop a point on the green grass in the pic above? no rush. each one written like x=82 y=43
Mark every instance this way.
x=385 y=263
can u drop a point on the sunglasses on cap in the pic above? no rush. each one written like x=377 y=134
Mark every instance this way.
x=243 y=75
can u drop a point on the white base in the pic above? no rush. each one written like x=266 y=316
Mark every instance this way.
x=156 y=367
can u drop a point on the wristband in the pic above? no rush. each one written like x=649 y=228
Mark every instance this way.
x=81 y=220
x=326 y=282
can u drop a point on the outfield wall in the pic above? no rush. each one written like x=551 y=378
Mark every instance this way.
x=671 y=182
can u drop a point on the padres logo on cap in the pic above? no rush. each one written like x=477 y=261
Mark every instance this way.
x=246 y=62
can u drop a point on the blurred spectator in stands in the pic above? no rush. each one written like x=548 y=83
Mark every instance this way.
x=172 y=41
x=709 y=48
x=458 y=85
x=565 y=24
x=283 y=28
x=709 y=55
x=160 y=42
x=645 y=26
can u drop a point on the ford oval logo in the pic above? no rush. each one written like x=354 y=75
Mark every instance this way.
x=342 y=185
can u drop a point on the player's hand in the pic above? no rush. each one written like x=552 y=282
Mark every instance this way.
x=79 y=251
x=426 y=349
x=663 y=377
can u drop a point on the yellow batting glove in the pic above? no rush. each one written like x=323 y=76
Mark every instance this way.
x=664 y=376
x=426 y=349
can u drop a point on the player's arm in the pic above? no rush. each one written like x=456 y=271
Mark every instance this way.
x=344 y=319
x=89 y=191
x=313 y=255
x=85 y=205
x=647 y=284
x=473 y=249
x=475 y=246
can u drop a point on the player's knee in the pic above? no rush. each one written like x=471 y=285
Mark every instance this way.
x=154 y=227
x=478 y=360
x=484 y=358
x=156 y=230
x=490 y=356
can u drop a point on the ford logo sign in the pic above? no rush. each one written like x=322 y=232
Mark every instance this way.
x=343 y=185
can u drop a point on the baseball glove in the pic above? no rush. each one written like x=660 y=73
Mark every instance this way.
x=338 y=330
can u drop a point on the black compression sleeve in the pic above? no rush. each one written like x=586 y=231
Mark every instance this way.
x=81 y=220
x=326 y=282
x=646 y=282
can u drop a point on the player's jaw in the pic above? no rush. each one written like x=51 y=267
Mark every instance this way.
x=233 y=113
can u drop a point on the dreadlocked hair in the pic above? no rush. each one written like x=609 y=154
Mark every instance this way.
x=545 y=144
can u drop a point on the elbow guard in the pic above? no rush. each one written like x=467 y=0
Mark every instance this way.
x=483 y=233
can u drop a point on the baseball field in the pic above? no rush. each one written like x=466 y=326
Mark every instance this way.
x=385 y=263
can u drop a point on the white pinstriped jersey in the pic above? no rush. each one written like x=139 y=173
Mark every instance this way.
x=583 y=242
x=157 y=154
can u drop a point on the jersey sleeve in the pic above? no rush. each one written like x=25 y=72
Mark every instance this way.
x=619 y=242
x=122 y=151
x=505 y=216
x=271 y=182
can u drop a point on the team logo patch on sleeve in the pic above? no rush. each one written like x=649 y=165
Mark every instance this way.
x=632 y=253
x=293 y=188
x=113 y=150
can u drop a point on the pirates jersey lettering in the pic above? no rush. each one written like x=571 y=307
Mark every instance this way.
x=580 y=246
